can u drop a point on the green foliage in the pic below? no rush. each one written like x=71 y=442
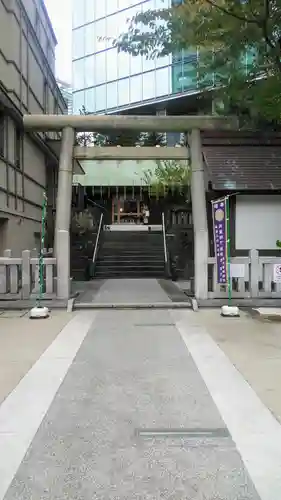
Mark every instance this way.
x=89 y=138
x=239 y=43
x=278 y=244
x=121 y=138
x=169 y=175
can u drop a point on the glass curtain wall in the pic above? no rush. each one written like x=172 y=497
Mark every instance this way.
x=104 y=80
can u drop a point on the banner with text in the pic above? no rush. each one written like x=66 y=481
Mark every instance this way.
x=220 y=239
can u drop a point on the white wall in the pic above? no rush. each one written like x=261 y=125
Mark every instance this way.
x=258 y=222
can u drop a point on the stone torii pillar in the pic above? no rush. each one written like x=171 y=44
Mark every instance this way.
x=199 y=216
x=69 y=124
x=63 y=213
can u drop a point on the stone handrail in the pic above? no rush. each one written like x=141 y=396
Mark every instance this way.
x=19 y=276
x=255 y=281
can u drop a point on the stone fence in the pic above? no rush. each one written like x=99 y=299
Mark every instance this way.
x=253 y=277
x=19 y=276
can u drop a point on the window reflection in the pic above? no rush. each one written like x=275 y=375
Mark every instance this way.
x=112 y=28
x=124 y=4
x=99 y=29
x=112 y=6
x=78 y=101
x=136 y=88
x=78 y=48
x=184 y=77
x=101 y=98
x=100 y=10
x=123 y=92
x=148 y=85
x=162 y=61
x=78 y=74
x=148 y=64
x=112 y=95
x=162 y=4
x=78 y=13
x=121 y=19
x=100 y=68
x=136 y=64
x=112 y=64
x=90 y=38
x=89 y=10
x=163 y=86
x=90 y=101
x=123 y=64
x=90 y=71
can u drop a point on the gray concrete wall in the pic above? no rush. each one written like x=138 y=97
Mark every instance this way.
x=27 y=85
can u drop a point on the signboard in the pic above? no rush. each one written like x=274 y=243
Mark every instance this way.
x=277 y=273
x=220 y=239
x=237 y=270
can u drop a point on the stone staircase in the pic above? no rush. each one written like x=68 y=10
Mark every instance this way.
x=130 y=254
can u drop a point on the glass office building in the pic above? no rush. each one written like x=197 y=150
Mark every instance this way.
x=105 y=81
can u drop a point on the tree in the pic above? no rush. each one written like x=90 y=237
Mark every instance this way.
x=89 y=138
x=121 y=138
x=168 y=176
x=239 y=43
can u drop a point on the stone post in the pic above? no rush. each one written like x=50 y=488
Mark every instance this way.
x=254 y=273
x=63 y=213
x=199 y=215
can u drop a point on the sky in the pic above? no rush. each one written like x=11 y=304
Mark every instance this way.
x=60 y=12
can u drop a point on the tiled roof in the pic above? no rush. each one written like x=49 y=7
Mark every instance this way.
x=248 y=162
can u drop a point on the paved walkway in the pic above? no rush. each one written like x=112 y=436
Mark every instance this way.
x=22 y=342
x=122 y=291
x=137 y=405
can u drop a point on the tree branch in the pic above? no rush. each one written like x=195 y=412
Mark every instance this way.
x=266 y=10
x=262 y=23
x=269 y=42
x=231 y=13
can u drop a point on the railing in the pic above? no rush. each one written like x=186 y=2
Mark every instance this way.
x=165 y=244
x=97 y=240
x=252 y=278
x=181 y=218
x=19 y=276
x=164 y=238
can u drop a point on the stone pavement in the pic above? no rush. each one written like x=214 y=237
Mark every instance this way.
x=134 y=290
x=120 y=291
x=22 y=342
x=137 y=405
x=253 y=347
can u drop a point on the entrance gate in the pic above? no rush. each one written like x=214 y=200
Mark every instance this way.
x=69 y=125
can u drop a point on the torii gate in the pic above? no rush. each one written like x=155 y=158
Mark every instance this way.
x=69 y=125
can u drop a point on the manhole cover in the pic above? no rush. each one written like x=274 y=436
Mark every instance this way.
x=183 y=432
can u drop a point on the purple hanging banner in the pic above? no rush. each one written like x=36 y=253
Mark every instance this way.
x=220 y=239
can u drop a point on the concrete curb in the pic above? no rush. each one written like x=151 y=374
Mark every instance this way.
x=274 y=316
x=159 y=305
x=19 y=305
x=240 y=302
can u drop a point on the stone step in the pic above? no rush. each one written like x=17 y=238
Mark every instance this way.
x=129 y=274
x=117 y=259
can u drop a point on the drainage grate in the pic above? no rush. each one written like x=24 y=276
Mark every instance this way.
x=184 y=432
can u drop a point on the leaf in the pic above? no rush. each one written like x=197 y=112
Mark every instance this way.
x=239 y=47
x=169 y=175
